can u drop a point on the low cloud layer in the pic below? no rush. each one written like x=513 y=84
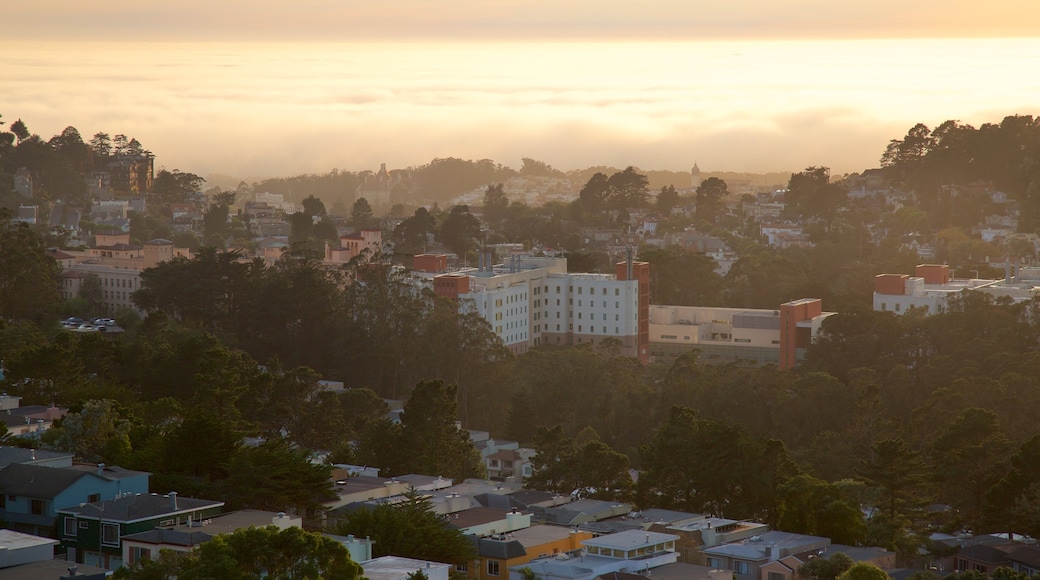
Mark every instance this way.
x=277 y=109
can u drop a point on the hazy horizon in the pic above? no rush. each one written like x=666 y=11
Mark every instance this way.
x=248 y=90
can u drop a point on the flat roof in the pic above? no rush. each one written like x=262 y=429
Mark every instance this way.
x=12 y=540
x=630 y=539
x=396 y=567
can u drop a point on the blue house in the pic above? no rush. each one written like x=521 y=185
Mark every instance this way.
x=30 y=495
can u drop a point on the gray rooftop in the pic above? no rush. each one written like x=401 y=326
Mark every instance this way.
x=140 y=507
x=9 y=455
x=630 y=540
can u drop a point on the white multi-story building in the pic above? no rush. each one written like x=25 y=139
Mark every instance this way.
x=933 y=285
x=531 y=301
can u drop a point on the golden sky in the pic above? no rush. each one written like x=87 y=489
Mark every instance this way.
x=344 y=20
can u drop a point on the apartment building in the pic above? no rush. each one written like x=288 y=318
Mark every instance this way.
x=531 y=301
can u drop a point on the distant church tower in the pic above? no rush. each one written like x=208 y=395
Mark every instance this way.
x=696 y=175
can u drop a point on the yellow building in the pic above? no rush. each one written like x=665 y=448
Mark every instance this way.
x=499 y=553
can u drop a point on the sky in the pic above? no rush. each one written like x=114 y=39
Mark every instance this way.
x=270 y=87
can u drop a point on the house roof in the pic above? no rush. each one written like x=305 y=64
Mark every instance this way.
x=500 y=549
x=1028 y=555
x=505 y=455
x=477 y=516
x=36 y=480
x=630 y=539
x=139 y=507
x=757 y=547
x=110 y=473
x=19 y=415
x=984 y=553
x=159 y=536
x=529 y=497
x=10 y=455
x=50 y=569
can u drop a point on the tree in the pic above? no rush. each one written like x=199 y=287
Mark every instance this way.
x=274 y=477
x=313 y=206
x=460 y=231
x=28 y=276
x=682 y=277
x=864 y=571
x=972 y=455
x=708 y=199
x=826 y=568
x=361 y=214
x=436 y=444
x=408 y=529
x=412 y=233
x=810 y=193
x=743 y=482
x=495 y=204
x=215 y=220
x=264 y=552
x=101 y=145
x=20 y=130
x=667 y=199
x=819 y=508
x=583 y=469
x=594 y=194
x=92 y=293
x=98 y=432
x=1013 y=501
x=628 y=188
x=899 y=473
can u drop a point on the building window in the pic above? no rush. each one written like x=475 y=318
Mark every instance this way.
x=110 y=534
x=776 y=576
x=70 y=527
x=93 y=498
x=37 y=507
x=715 y=563
x=461 y=568
x=742 y=568
x=492 y=567
x=139 y=555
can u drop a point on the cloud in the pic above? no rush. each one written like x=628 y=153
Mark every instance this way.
x=275 y=109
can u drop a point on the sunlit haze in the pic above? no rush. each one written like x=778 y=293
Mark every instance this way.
x=725 y=87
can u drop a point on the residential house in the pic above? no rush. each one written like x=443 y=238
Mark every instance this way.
x=30 y=495
x=675 y=571
x=786 y=568
x=499 y=553
x=360 y=548
x=1025 y=560
x=510 y=464
x=488 y=521
x=93 y=533
x=9 y=455
x=187 y=536
x=631 y=551
x=399 y=568
x=985 y=554
x=746 y=558
x=708 y=532
x=362 y=488
x=580 y=512
x=27 y=420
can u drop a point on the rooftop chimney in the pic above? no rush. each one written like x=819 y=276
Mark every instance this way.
x=101 y=469
x=173 y=500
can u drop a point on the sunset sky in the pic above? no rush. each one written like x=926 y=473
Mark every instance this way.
x=266 y=87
